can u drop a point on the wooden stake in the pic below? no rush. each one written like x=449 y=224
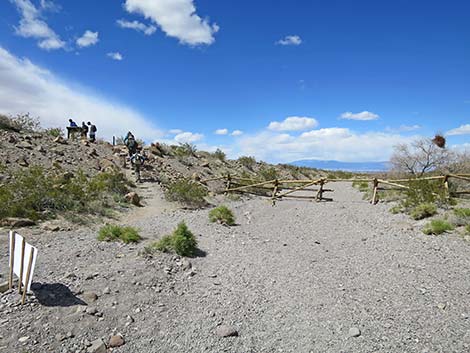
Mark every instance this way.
x=28 y=275
x=298 y=188
x=12 y=258
x=252 y=185
x=386 y=182
x=23 y=244
x=374 y=195
x=320 y=191
x=276 y=184
x=446 y=187
x=227 y=186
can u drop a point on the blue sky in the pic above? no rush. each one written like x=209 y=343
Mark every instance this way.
x=340 y=79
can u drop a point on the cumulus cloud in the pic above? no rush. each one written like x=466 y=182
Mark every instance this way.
x=138 y=26
x=175 y=131
x=177 y=18
x=26 y=87
x=49 y=5
x=237 y=133
x=290 y=40
x=33 y=26
x=461 y=130
x=115 y=56
x=293 y=123
x=324 y=144
x=188 y=137
x=365 y=115
x=404 y=128
x=88 y=38
x=221 y=132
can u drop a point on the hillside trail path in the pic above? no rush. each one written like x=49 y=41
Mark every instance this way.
x=298 y=276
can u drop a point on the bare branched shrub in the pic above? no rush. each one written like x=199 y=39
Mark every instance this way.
x=420 y=157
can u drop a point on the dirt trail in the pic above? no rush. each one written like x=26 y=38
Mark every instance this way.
x=296 y=277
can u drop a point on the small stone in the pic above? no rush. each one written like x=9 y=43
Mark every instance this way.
x=133 y=198
x=138 y=310
x=97 y=346
x=91 y=311
x=354 y=332
x=441 y=306
x=90 y=296
x=106 y=290
x=23 y=339
x=226 y=331
x=116 y=341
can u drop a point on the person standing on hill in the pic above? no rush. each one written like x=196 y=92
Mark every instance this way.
x=84 y=132
x=131 y=143
x=92 y=132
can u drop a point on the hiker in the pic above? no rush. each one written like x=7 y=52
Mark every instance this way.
x=131 y=143
x=92 y=132
x=84 y=132
x=72 y=128
x=137 y=161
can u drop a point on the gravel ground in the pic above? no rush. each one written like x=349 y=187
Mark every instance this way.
x=342 y=276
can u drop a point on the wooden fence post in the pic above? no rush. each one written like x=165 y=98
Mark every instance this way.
x=319 y=196
x=276 y=185
x=375 y=198
x=229 y=182
x=446 y=186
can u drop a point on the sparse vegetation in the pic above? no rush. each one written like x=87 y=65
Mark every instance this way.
x=396 y=209
x=112 y=232
x=223 y=215
x=437 y=226
x=268 y=173
x=182 y=241
x=247 y=162
x=185 y=150
x=220 y=155
x=19 y=122
x=187 y=192
x=423 y=210
x=424 y=191
x=54 y=132
x=35 y=194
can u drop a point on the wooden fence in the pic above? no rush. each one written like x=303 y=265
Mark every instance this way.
x=278 y=189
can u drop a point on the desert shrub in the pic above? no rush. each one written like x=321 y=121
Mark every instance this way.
x=423 y=210
x=340 y=174
x=54 y=132
x=362 y=186
x=187 y=192
x=8 y=124
x=437 y=226
x=182 y=241
x=462 y=213
x=424 y=191
x=185 y=150
x=268 y=173
x=223 y=215
x=220 y=155
x=247 y=162
x=112 y=232
x=396 y=209
x=35 y=194
x=467 y=228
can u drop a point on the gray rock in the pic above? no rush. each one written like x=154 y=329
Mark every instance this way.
x=97 y=346
x=4 y=287
x=354 y=332
x=90 y=297
x=91 y=311
x=226 y=331
x=116 y=341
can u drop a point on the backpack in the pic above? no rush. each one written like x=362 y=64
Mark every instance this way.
x=93 y=128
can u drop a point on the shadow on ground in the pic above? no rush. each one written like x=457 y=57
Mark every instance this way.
x=55 y=294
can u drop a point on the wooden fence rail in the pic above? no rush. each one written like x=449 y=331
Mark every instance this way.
x=277 y=189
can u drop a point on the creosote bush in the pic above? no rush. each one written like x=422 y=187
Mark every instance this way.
x=185 y=150
x=223 y=215
x=182 y=241
x=112 y=232
x=19 y=122
x=54 y=132
x=35 y=194
x=437 y=226
x=220 y=155
x=247 y=162
x=423 y=210
x=268 y=173
x=187 y=192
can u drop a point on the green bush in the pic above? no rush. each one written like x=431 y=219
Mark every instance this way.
x=223 y=215
x=424 y=191
x=220 y=155
x=462 y=213
x=35 y=194
x=112 y=232
x=247 y=162
x=181 y=241
x=19 y=122
x=467 y=228
x=423 y=211
x=268 y=173
x=396 y=209
x=187 y=192
x=362 y=186
x=437 y=226
x=185 y=150
x=54 y=132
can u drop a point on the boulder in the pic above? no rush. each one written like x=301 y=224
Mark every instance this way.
x=116 y=341
x=97 y=346
x=61 y=140
x=15 y=222
x=226 y=331
x=133 y=198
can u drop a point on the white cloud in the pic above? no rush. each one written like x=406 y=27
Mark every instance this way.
x=404 y=128
x=237 y=133
x=324 y=144
x=461 y=130
x=188 y=137
x=221 y=132
x=293 y=123
x=290 y=40
x=175 y=131
x=115 y=56
x=25 y=87
x=138 y=26
x=87 y=39
x=365 y=115
x=49 y=5
x=177 y=18
x=32 y=26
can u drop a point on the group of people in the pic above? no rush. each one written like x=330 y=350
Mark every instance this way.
x=86 y=130
x=136 y=156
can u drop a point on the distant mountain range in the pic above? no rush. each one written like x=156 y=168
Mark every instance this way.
x=345 y=166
